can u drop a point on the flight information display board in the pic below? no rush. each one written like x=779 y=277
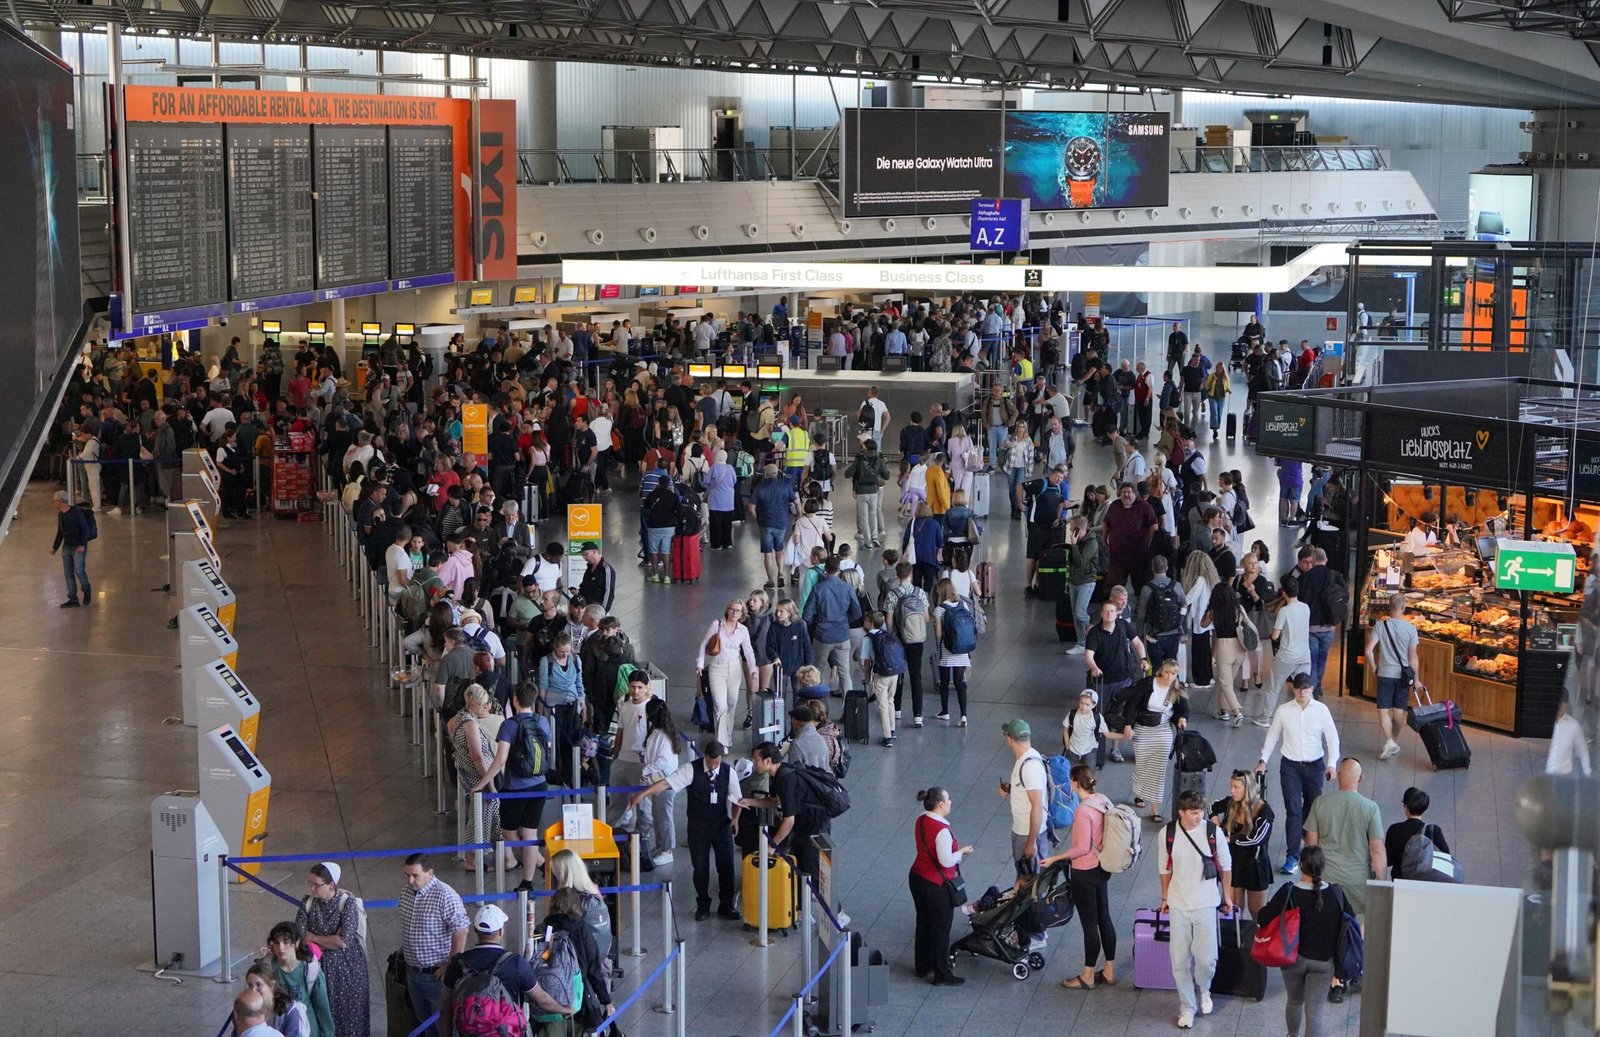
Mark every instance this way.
x=270 y=239
x=177 y=215
x=421 y=201
x=352 y=182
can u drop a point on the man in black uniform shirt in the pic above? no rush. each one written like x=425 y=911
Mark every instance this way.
x=712 y=807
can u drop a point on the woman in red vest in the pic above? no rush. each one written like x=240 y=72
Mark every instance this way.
x=938 y=860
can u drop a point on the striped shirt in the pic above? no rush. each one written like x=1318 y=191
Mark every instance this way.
x=428 y=918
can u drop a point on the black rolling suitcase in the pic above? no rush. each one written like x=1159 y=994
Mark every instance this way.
x=1233 y=426
x=397 y=999
x=1050 y=583
x=1066 y=626
x=856 y=727
x=1238 y=974
x=1439 y=727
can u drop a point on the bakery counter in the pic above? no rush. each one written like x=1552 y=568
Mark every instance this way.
x=1483 y=700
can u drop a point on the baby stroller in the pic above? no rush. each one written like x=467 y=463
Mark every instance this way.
x=1003 y=927
x=1241 y=353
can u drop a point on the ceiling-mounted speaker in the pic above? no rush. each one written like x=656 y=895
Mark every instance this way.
x=1049 y=219
x=1185 y=212
x=1122 y=214
x=648 y=234
x=1249 y=210
x=702 y=232
x=1216 y=211
x=540 y=239
x=845 y=227
x=752 y=230
x=596 y=236
x=1277 y=209
x=930 y=222
x=1083 y=217
x=1305 y=207
x=1154 y=214
x=1361 y=207
x=890 y=224
x=799 y=230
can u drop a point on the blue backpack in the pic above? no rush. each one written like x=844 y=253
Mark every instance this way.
x=960 y=630
x=888 y=654
x=1061 y=803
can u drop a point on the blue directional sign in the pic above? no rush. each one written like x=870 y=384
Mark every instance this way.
x=999 y=224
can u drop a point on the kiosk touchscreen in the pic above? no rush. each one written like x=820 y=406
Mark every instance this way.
x=184 y=846
x=222 y=699
x=201 y=480
x=235 y=788
x=202 y=639
x=202 y=585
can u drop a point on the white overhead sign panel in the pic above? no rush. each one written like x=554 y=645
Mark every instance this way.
x=714 y=272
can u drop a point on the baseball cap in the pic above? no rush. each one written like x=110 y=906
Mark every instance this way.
x=588 y=545
x=489 y=919
x=1094 y=696
x=1017 y=729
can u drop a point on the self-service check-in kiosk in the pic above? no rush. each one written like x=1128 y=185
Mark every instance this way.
x=201 y=480
x=202 y=640
x=235 y=788
x=203 y=585
x=222 y=699
x=190 y=539
x=184 y=880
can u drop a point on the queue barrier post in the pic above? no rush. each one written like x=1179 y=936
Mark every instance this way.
x=797 y=1021
x=500 y=865
x=683 y=988
x=847 y=1009
x=461 y=821
x=477 y=834
x=224 y=920
x=438 y=766
x=633 y=863
x=667 y=990
x=133 y=491
x=415 y=708
x=600 y=801
x=577 y=767
x=763 y=862
x=808 y=921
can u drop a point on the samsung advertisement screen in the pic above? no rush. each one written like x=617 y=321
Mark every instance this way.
x=914 y=161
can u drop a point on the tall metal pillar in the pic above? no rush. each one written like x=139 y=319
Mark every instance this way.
x=901 y=94
x=118 y=169
x=542 y=122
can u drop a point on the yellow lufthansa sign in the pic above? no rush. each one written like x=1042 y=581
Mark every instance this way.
x=475 y=428
x=583 y=522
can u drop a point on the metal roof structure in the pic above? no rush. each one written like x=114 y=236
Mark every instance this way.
x=1451 y=51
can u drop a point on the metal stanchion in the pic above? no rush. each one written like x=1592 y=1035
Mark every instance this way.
x=798 y=1029
x=500 y=865
x=577 y=769
x=522 y=921
x=683 y=984
x=600 y=800
x=808 y=921
x=666 y=941
x=225 y=974
x=461 y=823
x=633 y=861
x=762 y=862
x=417 y=690
x=133 y=491
x=72 y=480
x=846 y=1010
x=477 y=836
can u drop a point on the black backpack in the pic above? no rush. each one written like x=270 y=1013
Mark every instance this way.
x=1164 y=613
x=825 y=795
x=661 y=507
x=1336 y=597
x=867 y=417
x=821 y=469
x=1193 y=753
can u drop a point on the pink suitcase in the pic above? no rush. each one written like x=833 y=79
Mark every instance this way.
x=983 y=576
x=1152 y=960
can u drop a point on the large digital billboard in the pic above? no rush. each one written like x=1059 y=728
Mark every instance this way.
x=1086 y=160
x=918 y=161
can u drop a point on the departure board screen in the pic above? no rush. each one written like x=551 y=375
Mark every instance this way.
x=421 y=201
x=177 y=215
x=270 y=242
x=352 y=182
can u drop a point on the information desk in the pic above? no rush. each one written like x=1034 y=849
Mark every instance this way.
x=235 y=788
x=902 y=393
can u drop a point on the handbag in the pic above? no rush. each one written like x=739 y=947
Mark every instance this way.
x=1277 y=944
x=956 y=888
x=714 y=643
x=1249 y=636
x=1408 y=676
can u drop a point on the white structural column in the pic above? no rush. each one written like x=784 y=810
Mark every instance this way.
x=541 y=122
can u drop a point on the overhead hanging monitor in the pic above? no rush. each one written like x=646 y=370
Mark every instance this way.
x=316 y=327
x=271 y=327
x=405 y=329
x=371 y=328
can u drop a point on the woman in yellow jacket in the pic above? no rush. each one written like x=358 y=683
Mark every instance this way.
x=938 y=485
x=1218 y=386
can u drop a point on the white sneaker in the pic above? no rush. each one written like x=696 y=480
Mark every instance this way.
x=1039 y=942
x=1075 y=650
x=1390 y=748
x=113 y=511
x=1205 y=1002
x=1185 y=1020
x=661 y=860
x=897 y=714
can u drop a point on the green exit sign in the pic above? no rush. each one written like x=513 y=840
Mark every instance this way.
x=1534 y=565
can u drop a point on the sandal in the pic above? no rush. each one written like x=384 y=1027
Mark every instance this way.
x=1139 y=804
x=1101 y=977
x=1075 y=983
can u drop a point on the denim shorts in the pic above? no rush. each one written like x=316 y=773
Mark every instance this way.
x=1393 y=693
x=771 y=540
x=658 y=539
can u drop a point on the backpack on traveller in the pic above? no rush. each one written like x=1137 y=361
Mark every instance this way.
x=483 y=1005
x=888 y=654
x=911 y=615
x=1119 y=839
x=821 y=465
x=744 y=464
x=1165 y=612
x=91 y=530
x=824 y=793
x=555 y=967
x=1242 y=522
x=867 y=418
x=1193 y=752
x=661 y=507
x=1336 y=597
x=529 y=755
x=415 y=599
x=960 y=629
x=476 y=640
x=1061 y=803
x=1211 y=840
x=688 y=524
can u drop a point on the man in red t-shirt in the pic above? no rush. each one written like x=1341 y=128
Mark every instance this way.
x=1129 y=525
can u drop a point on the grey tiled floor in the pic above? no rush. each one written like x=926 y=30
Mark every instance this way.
x=83 y=748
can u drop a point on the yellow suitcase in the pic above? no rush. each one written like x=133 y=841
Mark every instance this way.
x=781 y=894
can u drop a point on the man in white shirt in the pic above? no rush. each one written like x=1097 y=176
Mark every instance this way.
x=1291 y=644
x=1190 y=847
x=216 y=420
x=546 y=569
x=397 y=562
x=712 y=808
x=1135 y=469
x=1310 y=751
x=880 y=413
x=1569 y=753
x=1025 y=792
x=705 y=335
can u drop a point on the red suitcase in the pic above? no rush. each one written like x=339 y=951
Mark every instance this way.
x=686 y=558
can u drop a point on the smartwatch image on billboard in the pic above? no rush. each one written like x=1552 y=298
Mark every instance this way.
x=1081 y=170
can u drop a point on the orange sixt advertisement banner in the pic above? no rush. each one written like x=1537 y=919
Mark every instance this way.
x=492 y=168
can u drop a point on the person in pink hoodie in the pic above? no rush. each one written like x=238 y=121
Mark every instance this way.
x=1089 y=881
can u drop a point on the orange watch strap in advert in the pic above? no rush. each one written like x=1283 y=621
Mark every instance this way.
x=1080 y=193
